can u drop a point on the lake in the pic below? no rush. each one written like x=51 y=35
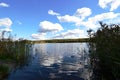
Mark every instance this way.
x=55 y=61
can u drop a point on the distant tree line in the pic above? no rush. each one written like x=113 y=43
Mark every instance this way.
x=62 y=40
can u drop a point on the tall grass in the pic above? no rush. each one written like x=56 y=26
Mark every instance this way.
x=105 y=51
x=13 y=52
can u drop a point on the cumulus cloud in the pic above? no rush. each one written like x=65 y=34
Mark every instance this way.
x=68 y=18
x=103 y=16
x=78 y=16
x=75 y=33
x=47 y=26
x=40 y=36
x=4 y=4
x=51 y=12
x=83 y=12
x=5 y=24
x=115 y=20
x=114 y=4
x=92 y=22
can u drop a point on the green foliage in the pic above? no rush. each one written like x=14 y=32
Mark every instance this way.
x=105 y=50
x=3 y=71
x=13 y=52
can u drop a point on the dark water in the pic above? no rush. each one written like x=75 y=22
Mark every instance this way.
x=55 y=61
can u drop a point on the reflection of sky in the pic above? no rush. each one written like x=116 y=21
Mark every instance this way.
x=66 y=58
x=60 y=48
x=61 y=61
x=50 y=53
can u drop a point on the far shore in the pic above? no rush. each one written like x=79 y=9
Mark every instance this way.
x=62 y=40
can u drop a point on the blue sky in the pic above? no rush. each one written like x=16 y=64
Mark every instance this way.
x=56 y=19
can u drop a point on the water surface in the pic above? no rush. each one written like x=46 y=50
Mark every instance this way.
x=55 y=61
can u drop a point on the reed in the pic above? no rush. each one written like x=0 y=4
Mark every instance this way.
x=13 y=52
x=104 y=51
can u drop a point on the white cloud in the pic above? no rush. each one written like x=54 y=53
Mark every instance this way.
x=47 y=26
x=68 y=18
x=115 y=20
x=78 y=16
x=6 y=29
x=90 y=25
x=92 y=22
x=40 y=36
x=3 y=4
x=83 y=12
x=5 y=24
x=75 y=33
x=103 y=16
x=114 y=4
x=51 y=12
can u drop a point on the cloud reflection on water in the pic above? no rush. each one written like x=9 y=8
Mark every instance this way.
x=67 y=56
